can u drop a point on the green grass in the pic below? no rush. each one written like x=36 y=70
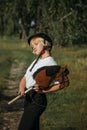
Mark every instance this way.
x=10 y=51
x=5 y=64
x=67 y=109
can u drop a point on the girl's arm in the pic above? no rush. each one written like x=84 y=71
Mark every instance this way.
x=22 y=86
x=52 y=89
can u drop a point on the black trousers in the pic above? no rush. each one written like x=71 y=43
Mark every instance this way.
x=35 y=104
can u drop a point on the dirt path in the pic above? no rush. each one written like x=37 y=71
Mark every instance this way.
x=10 y=114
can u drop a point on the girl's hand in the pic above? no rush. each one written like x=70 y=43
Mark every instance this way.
x=36 y=87
x=21 y=91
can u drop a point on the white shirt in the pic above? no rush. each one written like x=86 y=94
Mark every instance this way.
x=49 y=61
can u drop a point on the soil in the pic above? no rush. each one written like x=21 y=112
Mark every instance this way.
x=10 y=114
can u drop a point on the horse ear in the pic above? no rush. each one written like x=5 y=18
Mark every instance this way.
x=66 y=72
x=62 y=77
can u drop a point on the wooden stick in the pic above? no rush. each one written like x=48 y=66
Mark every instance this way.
x=19 y=96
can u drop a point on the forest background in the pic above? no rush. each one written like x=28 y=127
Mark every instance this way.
x=65 y=22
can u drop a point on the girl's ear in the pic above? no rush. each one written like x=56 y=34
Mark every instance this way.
x=46 y=43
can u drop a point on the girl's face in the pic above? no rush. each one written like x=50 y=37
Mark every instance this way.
x=37 y=45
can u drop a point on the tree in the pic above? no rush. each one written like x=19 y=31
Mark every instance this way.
x=64 y=21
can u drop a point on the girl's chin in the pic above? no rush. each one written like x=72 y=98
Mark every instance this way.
x=36 y=53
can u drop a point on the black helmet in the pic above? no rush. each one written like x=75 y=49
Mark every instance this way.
x=44 y=36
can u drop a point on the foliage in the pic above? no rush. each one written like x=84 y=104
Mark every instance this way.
x=11 y=50
x=5 y=64
x=64 y=21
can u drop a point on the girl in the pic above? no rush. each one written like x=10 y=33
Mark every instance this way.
x=36 y=101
